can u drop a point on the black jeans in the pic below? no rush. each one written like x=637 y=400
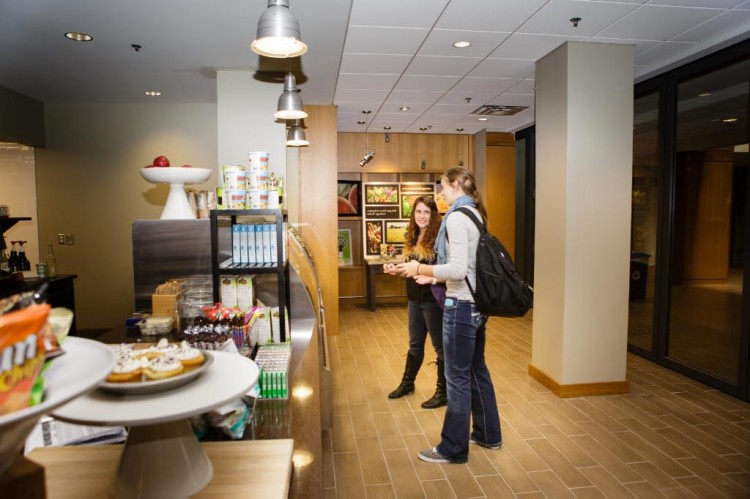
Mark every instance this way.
x=423 y=317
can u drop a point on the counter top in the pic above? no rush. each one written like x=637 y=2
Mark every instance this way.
x=258 y=469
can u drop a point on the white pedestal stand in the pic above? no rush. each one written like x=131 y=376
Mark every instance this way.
x=162 y=457
x=177 y=207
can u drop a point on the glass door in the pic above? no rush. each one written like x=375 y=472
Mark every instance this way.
x=707 y=331
x=643 y=231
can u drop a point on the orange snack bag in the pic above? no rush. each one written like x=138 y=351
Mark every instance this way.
x=21 y=355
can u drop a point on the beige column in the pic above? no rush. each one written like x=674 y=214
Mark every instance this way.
x=584 y=134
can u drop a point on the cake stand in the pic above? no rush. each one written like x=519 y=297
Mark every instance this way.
x=177 y=206
x=162 y=457
x=84 y=366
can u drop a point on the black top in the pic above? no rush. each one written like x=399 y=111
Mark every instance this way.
x=418 y=292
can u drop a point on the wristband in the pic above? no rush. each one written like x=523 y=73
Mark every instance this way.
x=418 y=268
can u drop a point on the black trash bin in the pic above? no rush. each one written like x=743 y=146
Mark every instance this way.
x=638 y=275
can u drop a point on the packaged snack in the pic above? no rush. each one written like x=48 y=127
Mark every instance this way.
x=22 y=352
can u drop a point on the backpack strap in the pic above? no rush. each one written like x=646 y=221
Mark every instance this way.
x=481 y=228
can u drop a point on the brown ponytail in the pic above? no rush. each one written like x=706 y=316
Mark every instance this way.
x=468 y=184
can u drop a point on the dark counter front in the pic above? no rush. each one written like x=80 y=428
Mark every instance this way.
x=298 y=417
x=60 y=292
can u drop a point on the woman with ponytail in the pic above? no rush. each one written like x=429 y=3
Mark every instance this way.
x=471 y=394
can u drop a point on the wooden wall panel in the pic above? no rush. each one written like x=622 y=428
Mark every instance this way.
x=316 y=204
x=500 y=190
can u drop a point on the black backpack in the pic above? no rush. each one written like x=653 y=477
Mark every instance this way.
x=500 y=290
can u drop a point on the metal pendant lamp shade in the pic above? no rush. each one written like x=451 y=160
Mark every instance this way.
x=278 y=32
x=295 y=136
x=290 y=103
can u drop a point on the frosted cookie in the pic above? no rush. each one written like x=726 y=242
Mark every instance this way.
x=187 y=355
x=153 y=351
x=162 y=367
x=127 y=369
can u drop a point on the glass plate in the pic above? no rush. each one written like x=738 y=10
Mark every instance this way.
x=160 y=385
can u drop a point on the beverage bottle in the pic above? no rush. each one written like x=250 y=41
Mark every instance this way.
x=51 y=261
x=13 y=260
x=24 y=262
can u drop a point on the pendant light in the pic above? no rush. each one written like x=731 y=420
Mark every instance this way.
x=290 y=103
x=295 y=136
x=278 y=33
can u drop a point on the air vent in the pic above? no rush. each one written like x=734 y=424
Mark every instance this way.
x=490 y=110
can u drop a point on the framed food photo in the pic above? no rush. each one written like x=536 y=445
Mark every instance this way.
x=349 y=199
x=345 y=247
x=373 y=237
x=395 y=231
x=381 y=194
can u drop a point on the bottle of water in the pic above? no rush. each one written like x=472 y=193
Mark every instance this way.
x=51 y=261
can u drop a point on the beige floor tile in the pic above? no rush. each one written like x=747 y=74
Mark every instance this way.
x=522 y=451
x=714 y=477
x=438 y=489
x=607 y=459
x=644 y=490
x=494 y=487
x=550 y=484
x=512 y=472
x=462 y=481
x=348 y=475
x=372 y=461
x=605 y=483
x=384 y=491
x=654 y=475
x=425 y=471
x=403 y=475
x=557 y=462
x=697 y=450
x=588 y=493
x=388 y=432
x=655 y=438
x=653 y=454
x=567 y=447
x=342 y=434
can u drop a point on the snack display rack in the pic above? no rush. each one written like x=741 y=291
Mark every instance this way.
x=224 y=266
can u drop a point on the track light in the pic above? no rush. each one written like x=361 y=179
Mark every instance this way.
x=278 y=32
x=290 y=103
x=366 y=158
x=295 y=136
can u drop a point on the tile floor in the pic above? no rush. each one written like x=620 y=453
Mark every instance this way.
x=669 y=437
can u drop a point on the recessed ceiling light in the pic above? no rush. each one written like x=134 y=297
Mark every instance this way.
x=78 y=37
x=704 y=94
x=152 y=93
x=729 y=120
x=361 y=122
x=482 y=119
x=404 y=108
x=459 y=129
x=462 y=44
x=386 y=128
x=423 y=128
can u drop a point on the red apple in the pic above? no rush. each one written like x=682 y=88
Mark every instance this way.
x=161 y=161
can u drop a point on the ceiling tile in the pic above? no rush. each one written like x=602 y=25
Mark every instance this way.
x=376 y=40
x=435 y=118
x=360 y=95
x=440 y=42
x=395 y=108
x=487 y=15
x=426 y=83
x=396 y=126
x=533 y=47
x=404 y=98
x=485 y=85
x=461 y=109
x=639 y=45
x=503 y=68
x=731 y=22
x=653 y=22
x=663 y=53
x=441 y=66
x=396 y=13
x=523 y=87
x=348 y=81
x=554 y=18
x=724 y=4
x=374 y=63
x=459 y=97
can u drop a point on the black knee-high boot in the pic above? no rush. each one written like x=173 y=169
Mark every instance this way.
x=413 y=363
x=440 y=398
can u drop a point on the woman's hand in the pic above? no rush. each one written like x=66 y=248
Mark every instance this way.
x=390 y=268
x=423 y=279
x=409 y=269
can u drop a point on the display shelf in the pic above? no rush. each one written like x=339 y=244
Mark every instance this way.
x=226 y=266
x=8 y=222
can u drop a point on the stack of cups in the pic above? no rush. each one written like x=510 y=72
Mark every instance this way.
x=257 y=181
x=234 y=196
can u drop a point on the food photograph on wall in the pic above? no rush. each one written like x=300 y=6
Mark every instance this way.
x=349 y=198
x=381 y=194
x=374 y=235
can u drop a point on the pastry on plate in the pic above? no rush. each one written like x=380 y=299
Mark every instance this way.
x=153 y=351
x=187 y=355
x=127 y=369
x=162 y=367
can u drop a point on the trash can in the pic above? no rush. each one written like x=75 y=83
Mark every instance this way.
x=638 y=275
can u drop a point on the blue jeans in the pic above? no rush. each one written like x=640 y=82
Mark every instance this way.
x=423 y=317
x=470 y=390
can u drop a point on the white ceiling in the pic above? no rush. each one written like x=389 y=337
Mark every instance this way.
x=377 y=55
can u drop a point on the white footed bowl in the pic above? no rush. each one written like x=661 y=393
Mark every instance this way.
x=175 y=175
